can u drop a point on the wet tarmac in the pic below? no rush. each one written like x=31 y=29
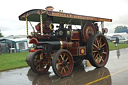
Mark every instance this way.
x=114 y=73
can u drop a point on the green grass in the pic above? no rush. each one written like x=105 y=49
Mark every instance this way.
x=12 y=60
x=112 y=46
x=17 y=60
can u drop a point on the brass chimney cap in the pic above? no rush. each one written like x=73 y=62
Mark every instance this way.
x=49 y=8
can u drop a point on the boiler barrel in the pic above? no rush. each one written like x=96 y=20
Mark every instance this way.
x=56 y=45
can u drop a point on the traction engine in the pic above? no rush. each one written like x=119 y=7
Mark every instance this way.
x=62 y=47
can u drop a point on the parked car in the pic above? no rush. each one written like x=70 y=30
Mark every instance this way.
x=113 y=38
x=121 y=40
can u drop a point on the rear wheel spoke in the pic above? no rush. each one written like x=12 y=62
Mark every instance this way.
x=59 y=63
x=97 y=42
x=104 y=52
x=102 y=45
x=58 y=68
x=95 y=46
x=95 y=51
x=100 y=41
x=101 y=58
x=96 y=56
x=98 y=60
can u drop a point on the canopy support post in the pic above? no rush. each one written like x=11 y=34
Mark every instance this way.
x=41 y=21
x=81 y=24
x=27 y=26
x=102 y=25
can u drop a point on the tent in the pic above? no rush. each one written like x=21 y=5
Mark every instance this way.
x=13 y=45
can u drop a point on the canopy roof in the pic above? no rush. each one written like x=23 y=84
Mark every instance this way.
x=57 y=17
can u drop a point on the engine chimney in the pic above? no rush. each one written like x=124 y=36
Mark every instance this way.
x=49 y=8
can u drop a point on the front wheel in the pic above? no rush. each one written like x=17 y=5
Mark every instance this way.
x=62 y=63
x=39 y=62
x=98 y=50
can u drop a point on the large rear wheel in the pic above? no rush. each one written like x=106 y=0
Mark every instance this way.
x=98 y=50
x=39 y=62
x=62 y=63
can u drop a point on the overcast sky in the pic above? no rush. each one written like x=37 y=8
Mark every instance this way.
x=112 y=9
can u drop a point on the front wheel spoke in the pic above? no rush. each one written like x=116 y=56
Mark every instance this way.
x=58 y=59
x=66 y=59
x=67 y=67
x=62 y=69
x=68 y=62
x=61 y=57
x=38 y=67
x=43 y=65
x=36 y=60
x=41 y=57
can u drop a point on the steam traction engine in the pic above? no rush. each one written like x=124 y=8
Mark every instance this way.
x=63 y=47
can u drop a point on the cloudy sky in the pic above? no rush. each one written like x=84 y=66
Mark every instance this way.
x=11 y=9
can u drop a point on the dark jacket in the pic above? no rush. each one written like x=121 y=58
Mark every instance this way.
x=117 y=40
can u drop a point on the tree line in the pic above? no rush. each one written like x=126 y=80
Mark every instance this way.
x=1 y=34
x=118 y=28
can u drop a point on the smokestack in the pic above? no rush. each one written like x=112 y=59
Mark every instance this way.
x=49 y=8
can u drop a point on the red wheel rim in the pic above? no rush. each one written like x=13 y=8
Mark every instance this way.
x=100 y=50
x=64 y=64
x=88 y=30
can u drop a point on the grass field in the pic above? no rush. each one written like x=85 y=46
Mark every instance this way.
x=17 y=60
x=112 y=46
x=12 y=60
